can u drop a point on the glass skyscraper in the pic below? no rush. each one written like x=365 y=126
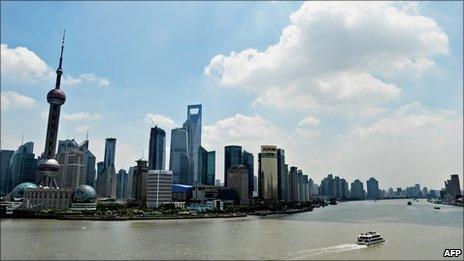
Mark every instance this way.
x=89 y=164
x=106 y=181
x=202 y=165
x=232 y=157
x=193 y=127
x=5 y=156
x=211 y=172
x=281 y=174
x=268 y=182
x=23 y=165
x=248 y=162
x=178 y=160
x=157 y=149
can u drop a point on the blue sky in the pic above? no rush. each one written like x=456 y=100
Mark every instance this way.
x=126 y=62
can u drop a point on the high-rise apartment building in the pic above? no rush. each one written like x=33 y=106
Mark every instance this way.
x=157 y=149
x=357 y=190
x=178 y=160
x=232 y=157
x=455 y=186
x=268 y=180
x=373 y=191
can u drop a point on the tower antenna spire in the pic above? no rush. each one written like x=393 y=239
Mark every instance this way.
x=62 y=47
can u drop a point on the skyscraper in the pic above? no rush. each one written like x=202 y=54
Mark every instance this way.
x=5 y=156
x=130 y=179
x=157 y=149
x=373 y=191
x=202 y=165
x=89 y=164
x=72 y=168
x=106 y=181
x=48 y=168
x=193 y=127
x=238 y=179
x=232 y=157
x=455 y=186
x=23 y=165
x=158 y=188
x=357 y=190
x=178 y=160
x=248 y=162
x=139 y=183
x=211 y=171
x=268 y=182
x=282 y=178
x=121 y=183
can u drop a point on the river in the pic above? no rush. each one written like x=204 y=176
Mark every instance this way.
x=411 y=232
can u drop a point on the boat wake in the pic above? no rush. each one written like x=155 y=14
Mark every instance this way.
x=327 y=250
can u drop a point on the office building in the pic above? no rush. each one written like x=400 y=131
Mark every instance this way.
x=139 y=183
x=107 y=180
x=5 y=156
x=248 y=162
x=281 y=175
x=157 y=149
x=121 y=183
x=237 y=177
x=232 y=157
x=158 y=188
x=193 y=127
x=455 y=186
x=130 y=178
x=202 y=165
x=357 y=190
x=72 y=168
x=178 y=160
x=89 y=163
x=344 y=187
x=373 y=191
x=211 y=168
x=268 y=180
x=22 y=165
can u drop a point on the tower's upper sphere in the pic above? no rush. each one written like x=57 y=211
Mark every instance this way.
x=56 y=96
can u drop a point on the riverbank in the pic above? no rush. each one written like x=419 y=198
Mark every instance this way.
x=116 y=218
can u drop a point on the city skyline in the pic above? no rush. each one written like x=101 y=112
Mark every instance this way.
x=303 y=133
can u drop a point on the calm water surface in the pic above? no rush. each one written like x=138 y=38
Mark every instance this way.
x=412 y=232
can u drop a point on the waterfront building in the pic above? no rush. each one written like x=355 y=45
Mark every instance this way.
x=178 y=161
x=202 y=165
x=139 y=191
x=232 y=157
x=293 y=184
x=248 y=162
x=158 y=188
x=83 y=198
x=193 y=127
x=121 y=183
x=22 y=165
x=300 y=185
x=181 y=193
x=357 y=190
x=46 y=198
x=89 y=163
x=268 y=182
x=313 y=189
x=305 y=188
x=373 y=191
x=237 y=177
x=107 y=180
x=5 y=156
x=344 y=189
x=455 y=186
x=130 y=178
x=157 y=149
x=211 y=168
x=72 y=168
x=281 y=175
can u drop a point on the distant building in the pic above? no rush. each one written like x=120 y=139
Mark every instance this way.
x=47 y=198
x=106 y=180
x=158 y=188
x=373 y=191
x=357 y=190
x=89 y=164
x=100 y=168
x=5 y=156
x=281 y=175
x=23 y=165
x=455 y=186
x=232 y=157
x=130 y=178
x=211 y=170
x=206 y=166
x=294 y=188
x=237 y=177
x=248 y=162
x=157 y=149
x=178 y=161
x=139 y=183
x=121 y=183
x=72 y=168
x=217 y=182
x=345 y=190
x=268 y=180
x=193 y=127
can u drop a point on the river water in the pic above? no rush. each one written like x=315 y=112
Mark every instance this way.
x=411 y=232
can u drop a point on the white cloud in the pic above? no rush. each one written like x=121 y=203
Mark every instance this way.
x=82 y=128
x=309 y=121
x=11 y=99
x=23 y=64
x=331 y=56
x=160 y=120
x=81 y=116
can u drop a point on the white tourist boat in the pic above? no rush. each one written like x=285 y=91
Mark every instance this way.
x=369 y=238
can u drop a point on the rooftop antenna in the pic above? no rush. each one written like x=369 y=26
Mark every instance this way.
x=22 y=139
x=87 y=135
x=142 y=153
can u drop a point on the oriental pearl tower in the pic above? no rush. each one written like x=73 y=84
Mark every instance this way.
x=48 y=168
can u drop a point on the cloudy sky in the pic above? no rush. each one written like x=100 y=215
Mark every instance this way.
x=354 y=89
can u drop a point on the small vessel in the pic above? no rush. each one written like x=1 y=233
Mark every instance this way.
x=436 y=207
x=369 y=238
x=409 y=203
